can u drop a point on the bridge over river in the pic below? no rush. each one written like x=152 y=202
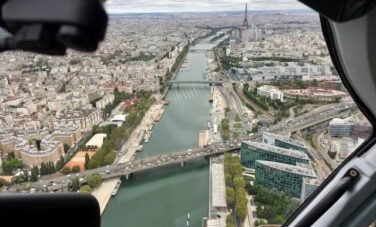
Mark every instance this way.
x=180 y=157
x=210 y=82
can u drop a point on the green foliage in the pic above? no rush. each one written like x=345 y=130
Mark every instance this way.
x=106 y=154
x=253 y=97
x=76 y=169
x=238 y=125
x=230 y=196
x=229 y=221
x=47 y=168
x=93 y=163
x=235 y=186
x=66 y=170
x=280 y=59
x=180 y=59
x=229 y=62
x=225 y=129
x=143 y=57
x=217 y=37
x=11 y=164
x=120 y=97
x=86 y=189
x=60 y=163
x=105 y=129
x=94 y=180
x=109 y=158
x=66 y=148
x=34 y=173
x=272 y=205
x=87 y=159
x=239 y=182
x=75 y=185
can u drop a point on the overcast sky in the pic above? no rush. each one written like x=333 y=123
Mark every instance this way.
x=148 y=6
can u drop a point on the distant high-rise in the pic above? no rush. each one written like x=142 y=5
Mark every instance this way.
x=245 y=22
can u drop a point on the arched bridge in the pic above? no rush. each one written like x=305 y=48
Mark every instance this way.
x=210 y=82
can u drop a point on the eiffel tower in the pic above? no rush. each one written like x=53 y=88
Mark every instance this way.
x=245 y=22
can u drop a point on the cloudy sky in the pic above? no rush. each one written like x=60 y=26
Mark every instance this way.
x=147 y=6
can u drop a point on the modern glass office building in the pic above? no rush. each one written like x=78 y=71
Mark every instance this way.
x=283 y=177
x=308 y=187
x=340 y=128
x=253 y=151
x=283 y=142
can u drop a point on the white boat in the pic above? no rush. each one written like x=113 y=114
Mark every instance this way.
x=116 y=189
x=147 y=136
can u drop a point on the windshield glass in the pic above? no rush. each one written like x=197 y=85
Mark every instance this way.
x=190 y=113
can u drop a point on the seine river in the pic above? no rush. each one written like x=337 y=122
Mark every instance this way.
x=164 y=197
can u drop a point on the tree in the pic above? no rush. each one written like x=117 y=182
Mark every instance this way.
x=60 y=163
x=94 y=180
x=93 y=163
x=66 y=148
x=315 y=83
x=239 y=182
x=11 y=164
x=109 y=158
x=228 y=179
x=86 y=189
x=241 y=211
x=87 y=159
x=76 y=169
x=66 y=170
x=34 y=175
x=42 y=169
x=230 y=196
x=75 y=184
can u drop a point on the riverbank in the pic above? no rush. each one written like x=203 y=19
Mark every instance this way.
x=129 y=149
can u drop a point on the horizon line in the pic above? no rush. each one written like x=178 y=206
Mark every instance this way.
x=219 y=11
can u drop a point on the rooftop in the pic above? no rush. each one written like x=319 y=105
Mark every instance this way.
x=119 y=117
x=275 y=149
x=284 y=139
x=338 y=121
x=269 y=88
x=97 y=140
x=218 y=185
x=289 y=168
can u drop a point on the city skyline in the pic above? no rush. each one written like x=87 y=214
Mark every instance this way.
x=171 y=6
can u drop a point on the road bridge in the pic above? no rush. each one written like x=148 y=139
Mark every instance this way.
x=135 y=166
x=210 y=82
x=180 y=157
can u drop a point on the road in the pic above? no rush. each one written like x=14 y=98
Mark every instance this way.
x=130 y=167
x=120 y=169
x=320 y=165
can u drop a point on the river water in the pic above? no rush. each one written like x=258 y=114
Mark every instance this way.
x=164 y=197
